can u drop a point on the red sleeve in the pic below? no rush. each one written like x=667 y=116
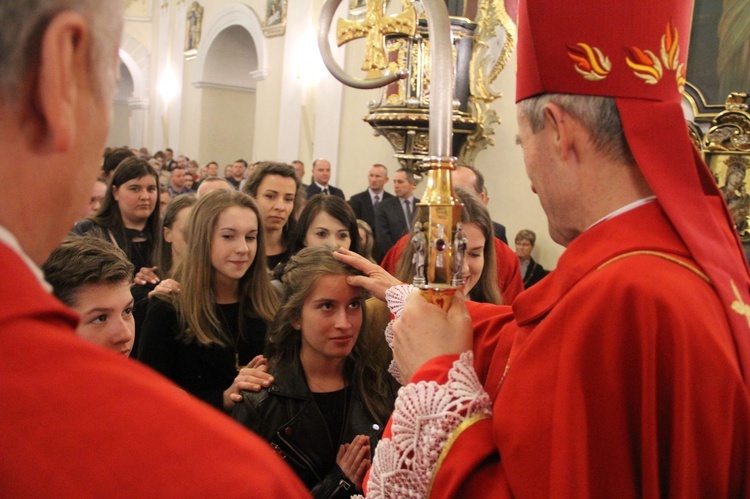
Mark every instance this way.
x=471 y=452
x=390 y=260
x=508 y=272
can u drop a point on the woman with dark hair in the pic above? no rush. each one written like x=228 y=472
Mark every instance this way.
x=327 y=220
x=326 y=413
x=274 y=187
x=479 y=266
x=209 y=337
x=129 y=215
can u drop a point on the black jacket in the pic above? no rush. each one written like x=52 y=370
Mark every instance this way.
x=204 y=371
x=313 y=189
x=287 y=416
x=391 y=223
x=362 y=205
x=534 y=274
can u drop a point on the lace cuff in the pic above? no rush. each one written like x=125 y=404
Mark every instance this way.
x=425 y=416
x=395 y=297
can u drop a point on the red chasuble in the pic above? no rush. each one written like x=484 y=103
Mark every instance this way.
x=617 y=378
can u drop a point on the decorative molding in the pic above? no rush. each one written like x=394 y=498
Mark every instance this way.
x=137 y=59
x=233 y=15
x=222 y=86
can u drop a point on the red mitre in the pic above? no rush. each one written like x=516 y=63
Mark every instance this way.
x=636 y=51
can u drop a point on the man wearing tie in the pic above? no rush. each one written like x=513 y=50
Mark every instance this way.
x=393 y=216
x=365 y=202
x=321 y=174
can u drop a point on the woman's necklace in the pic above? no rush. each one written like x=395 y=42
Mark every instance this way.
x=235 y=338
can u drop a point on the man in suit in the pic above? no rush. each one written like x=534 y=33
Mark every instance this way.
x=104 y=426
x=470 y=178
x=321 y=174
x=299 y=170
x=365 y=202
x=394 y=215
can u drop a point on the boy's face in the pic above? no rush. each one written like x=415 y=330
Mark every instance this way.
x=106 y=312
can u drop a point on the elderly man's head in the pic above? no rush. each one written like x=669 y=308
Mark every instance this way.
x=58 y=70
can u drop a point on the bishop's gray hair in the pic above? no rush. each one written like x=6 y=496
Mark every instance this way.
x=598 y=115
x=22 y=27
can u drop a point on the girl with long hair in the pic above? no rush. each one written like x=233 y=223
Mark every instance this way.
x=479 y=266
x=274 y=187
x=327 y=220
x=209 y=338
x=129 y=215
x=326 y=410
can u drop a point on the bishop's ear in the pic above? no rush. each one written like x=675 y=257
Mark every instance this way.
x=63 y=79
x=561 y=126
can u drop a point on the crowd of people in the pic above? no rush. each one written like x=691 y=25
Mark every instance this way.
x=232 y=293
x=623 y=372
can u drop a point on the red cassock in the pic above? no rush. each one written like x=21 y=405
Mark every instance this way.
x=616 y=376
x=77 y=420
x=509 y=277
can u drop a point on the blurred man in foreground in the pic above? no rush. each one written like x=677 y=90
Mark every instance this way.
x=77 y=420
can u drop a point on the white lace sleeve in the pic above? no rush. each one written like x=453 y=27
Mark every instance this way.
x=395 y=297
x=425 y=416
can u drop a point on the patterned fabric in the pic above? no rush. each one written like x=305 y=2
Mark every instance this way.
x=425 y=417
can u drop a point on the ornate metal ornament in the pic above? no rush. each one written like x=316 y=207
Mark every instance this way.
x=439 y=212
x=726 y=148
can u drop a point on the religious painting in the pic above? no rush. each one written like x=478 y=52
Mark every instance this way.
x=275 y=20
x=731 y=173
x=138 y=9
x=193 y=29
x=727 y=153
x=719 y=59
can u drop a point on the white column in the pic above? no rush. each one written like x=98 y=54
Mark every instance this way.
x=297 y=75
x=138 y=113
x=328 y=106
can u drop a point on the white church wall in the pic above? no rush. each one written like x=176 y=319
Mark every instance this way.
x=221 y=125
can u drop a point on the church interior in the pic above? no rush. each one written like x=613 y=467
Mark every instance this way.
x=218 y=80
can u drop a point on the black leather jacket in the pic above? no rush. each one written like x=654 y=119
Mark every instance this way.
x=287 y=416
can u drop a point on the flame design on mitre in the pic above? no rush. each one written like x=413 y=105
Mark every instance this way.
x=650 y=68
x=589 y=61
x=645 y=64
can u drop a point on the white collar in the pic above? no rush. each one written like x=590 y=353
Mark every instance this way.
x=10 y=240
x=624 y=209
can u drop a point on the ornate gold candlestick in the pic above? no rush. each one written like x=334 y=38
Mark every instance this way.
x=437 y=249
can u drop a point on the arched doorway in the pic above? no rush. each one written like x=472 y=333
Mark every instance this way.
x=130 y=102
x=228 y=66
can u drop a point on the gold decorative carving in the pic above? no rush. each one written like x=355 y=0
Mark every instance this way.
x=374 y=27
x=730 y=130
x=481 y=50
x=727 y=153
x=491 y=51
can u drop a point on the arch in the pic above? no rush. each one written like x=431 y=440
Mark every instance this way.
x=131 y=102
x=136 y=58
x=233 y=15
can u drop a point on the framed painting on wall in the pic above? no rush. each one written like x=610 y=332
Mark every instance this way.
x=275 y=20
x=719 y=59
x=193 y=29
